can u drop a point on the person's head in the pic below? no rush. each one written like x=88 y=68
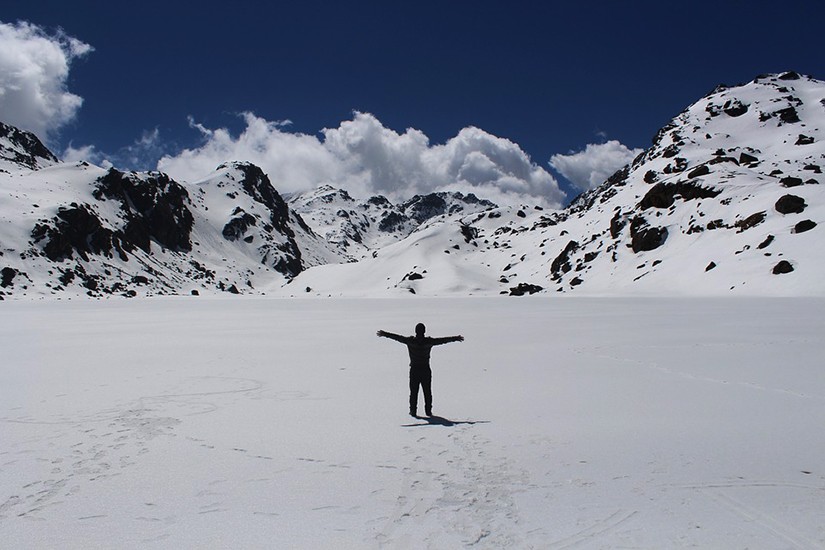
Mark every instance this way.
x=419 y=329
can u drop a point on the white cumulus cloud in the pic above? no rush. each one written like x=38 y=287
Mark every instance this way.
x=34 y=67
x=589 y=168
x=364 y=157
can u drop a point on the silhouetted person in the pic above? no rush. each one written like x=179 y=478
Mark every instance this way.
x=419 y=347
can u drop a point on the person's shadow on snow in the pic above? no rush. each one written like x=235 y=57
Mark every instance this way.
x=441 y=421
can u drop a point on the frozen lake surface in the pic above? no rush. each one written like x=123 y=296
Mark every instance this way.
x=275 y=423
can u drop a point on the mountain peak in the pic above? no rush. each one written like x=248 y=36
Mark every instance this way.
x=23 y=150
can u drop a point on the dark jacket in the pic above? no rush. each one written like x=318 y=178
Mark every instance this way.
x=419 y=347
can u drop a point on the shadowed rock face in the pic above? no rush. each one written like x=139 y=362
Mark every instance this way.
x=151 y=209
x=782 y=267
x=790 y=204
x=154 y=208
x=645 y=238
x=74 y=229
x=563 y=263
x=256 y=184
x=663 y=195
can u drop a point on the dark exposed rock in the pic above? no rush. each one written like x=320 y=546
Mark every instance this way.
x=803 y=226
x=617 y=223
x=813 y=168
x=73 y=229
x=788 y=115
x=790 y=204
x=782 y=267
x=469 y=233
x=662 y=195
x=423 y=207
x=7 y=275
x=154 y=207
x=804 y=140
x=619 y=177
x=650 y=176
x=710 y=266
x=751 y=221
x=379 y=200
x=790 y=75
x=670 y=151
x=734 y=108
x=391 y=221
x=680 y=164
x=790 y=181
x=412 y=276
x=745 y=158
x=646 y=238
x=576 y=281
x=720 y=160
x=702 y=170
x=562 y=262
x=525 y=288
x=237 y=226
x=764 y=244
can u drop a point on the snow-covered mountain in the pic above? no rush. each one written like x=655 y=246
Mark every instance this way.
x=357 y=228
x=77 y=229
x=726 y=200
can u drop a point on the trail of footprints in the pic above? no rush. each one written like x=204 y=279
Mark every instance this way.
x=109 y=442
x=458 y=491
x=107 y=446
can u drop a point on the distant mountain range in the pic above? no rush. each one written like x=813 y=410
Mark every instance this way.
x=727 y=201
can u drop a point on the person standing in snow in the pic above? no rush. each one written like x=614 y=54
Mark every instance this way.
x=419 y=347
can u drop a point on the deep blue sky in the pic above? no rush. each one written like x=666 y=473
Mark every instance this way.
x=548 y=76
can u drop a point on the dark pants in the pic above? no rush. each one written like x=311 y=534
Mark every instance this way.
x=424 y=379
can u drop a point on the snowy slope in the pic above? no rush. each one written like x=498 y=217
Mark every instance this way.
x=728 y=200
x=562 y=423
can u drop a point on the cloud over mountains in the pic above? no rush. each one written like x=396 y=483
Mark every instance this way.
x=366 y=157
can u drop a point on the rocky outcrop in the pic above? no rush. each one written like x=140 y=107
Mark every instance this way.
x=790 y=204
x=153 y=206
x=643 y=237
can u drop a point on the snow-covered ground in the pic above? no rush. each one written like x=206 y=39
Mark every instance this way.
x=275 y=423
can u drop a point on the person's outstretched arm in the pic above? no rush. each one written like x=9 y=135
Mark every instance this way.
x=447 y=340
x=392 y=336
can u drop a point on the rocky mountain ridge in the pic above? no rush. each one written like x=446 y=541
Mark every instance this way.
x=357 y=228
x=727 y=200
